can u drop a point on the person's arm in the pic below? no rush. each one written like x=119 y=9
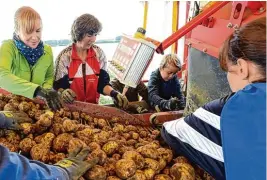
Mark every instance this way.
x=61 y=78
x=142 y=91
x=49 y=76
x=198 y=137
x=153 y=93
x=116 y=85
x=9 y=81
x=179 y=94
x=103 y=86
x=15 y=166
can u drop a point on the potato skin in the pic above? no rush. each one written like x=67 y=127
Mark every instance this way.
x=125 y=168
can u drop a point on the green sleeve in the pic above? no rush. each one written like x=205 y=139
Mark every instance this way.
x=9 y=81
x=49 y=77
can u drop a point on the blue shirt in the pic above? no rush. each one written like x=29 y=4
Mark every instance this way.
x=243 y=128
x=16 y=167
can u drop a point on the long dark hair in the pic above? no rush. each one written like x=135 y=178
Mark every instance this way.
x=248 y=43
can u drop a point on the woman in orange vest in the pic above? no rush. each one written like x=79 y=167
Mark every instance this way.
x=81 y=68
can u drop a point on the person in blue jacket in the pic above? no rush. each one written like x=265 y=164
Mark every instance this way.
x=164 y=89
x=227 y=137
x=14 y=166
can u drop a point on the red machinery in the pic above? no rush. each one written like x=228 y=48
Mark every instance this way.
x=205 y=34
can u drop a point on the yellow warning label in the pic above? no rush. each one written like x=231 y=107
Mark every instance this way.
x=8 y=114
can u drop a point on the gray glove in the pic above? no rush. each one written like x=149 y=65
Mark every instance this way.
x=119 y=99
x=12 y=120
x=77 y=164
x=51 y=97
x=173 y=104
x=67 y=95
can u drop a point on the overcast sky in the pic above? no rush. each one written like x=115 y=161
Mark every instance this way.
x=117 y=16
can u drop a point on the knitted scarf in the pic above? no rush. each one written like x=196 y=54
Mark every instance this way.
x=31 y=54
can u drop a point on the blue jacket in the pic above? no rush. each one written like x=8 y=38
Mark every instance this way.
x=160 y=91
x=243 y=129
x=16 y=167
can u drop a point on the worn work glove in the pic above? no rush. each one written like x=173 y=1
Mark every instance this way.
x=119 y=99
x=135 y=108
x=141 y=110
x=173 y=104
x=51 y=97
x=67 y=95
x=12 y=120
x=76 y=164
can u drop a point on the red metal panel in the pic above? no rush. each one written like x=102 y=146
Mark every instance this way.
x=209 y=40
x=190 y=25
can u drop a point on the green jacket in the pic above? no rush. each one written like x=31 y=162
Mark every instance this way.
x=16 y=75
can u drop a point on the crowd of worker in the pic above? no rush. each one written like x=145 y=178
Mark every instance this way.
x=216 y=136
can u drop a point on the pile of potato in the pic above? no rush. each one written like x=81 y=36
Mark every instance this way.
x=124 y=151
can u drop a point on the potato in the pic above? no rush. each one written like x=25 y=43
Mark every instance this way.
x=109 y=166
x=131 y=142
x=45 y=120
x=12 y=137
x=125 y=168
x=135 y=136
x=149 y=173
x=166 y=170
x=61 y=142
x=70 y=125
x=85 y=135
x=27 y=128
x=143 y=134
x=75 y=143
x=10 y=146
x=26 y=145
x=10 y=107
x=148 y=152
x=93 y=146
x=57 y=129
x=182 y=171
x=54 y=158
x=151 y=164
x=162 y=164
x=75 y=115
x=46 y=138
x=100 y=154
x=162 y=177
x=102 y=123
x=2 y=105
x=181 y=159
x=40 y=152
x=129 y=128
x=126 y=136
x=206 y=176
x=113 y=178
x=116 y=156
x=24 y=106
x=97 y=172
x=101 y=138
x=123 y=149
x=166 y=154
x=110 y=147
x=136 y=157
x=139 y=175
x=119 y=128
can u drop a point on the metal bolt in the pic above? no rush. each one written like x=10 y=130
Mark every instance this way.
x=189 y=44
x=204 y=50
x=236 y=26
x=230 y=25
